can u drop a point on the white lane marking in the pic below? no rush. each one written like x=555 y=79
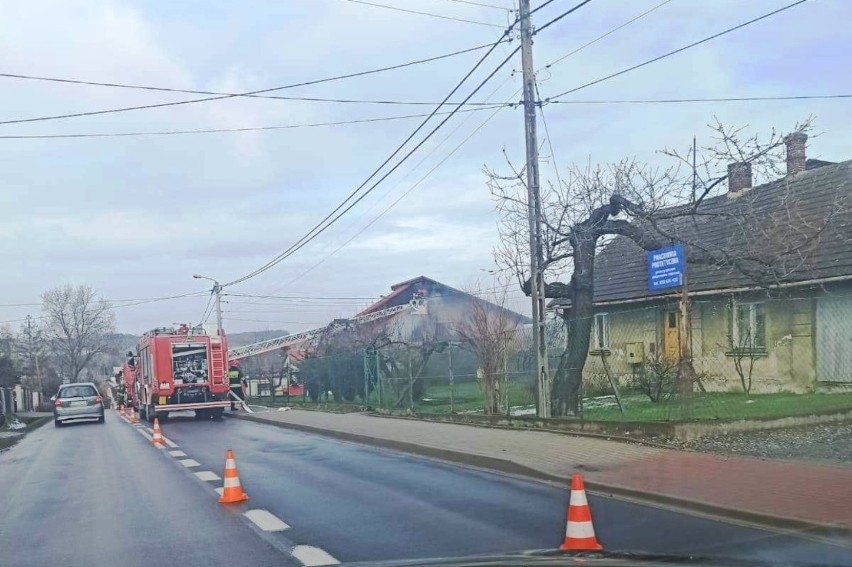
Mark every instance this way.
x=220 y=491
x=207 y=475
x=169 y=442
x=310 y=556
x=190 y=463
x=149 y=430
x=143 y=434
x=177 y=453
x=266 y=521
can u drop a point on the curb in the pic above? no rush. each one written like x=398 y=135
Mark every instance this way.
x=797 y=527
x=571 y=433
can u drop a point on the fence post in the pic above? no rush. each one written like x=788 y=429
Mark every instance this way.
x=452 y=379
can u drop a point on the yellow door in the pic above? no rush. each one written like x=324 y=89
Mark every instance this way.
x=670 y=335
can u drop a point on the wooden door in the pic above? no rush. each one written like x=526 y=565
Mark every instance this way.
x=671 y=348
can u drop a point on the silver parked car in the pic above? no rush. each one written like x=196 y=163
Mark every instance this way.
x=76 y=402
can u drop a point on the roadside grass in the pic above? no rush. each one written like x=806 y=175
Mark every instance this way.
x=725 y=405
x=467 y=397
x=31 y=424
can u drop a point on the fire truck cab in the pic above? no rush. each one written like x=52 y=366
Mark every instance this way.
x=182 y=369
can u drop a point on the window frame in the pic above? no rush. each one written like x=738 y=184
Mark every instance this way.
x=598 y=333
x=755 y=309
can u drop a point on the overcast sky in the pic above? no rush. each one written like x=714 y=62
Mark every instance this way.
x=136 y=217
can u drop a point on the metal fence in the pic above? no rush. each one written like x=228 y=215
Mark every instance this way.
x=747 y=357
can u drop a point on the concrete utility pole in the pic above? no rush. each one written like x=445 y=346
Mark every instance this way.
x=217 y=291
x=534 y=214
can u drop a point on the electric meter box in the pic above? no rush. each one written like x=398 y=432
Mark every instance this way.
x=635 y=353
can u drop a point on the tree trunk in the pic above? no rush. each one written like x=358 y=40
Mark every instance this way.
x=569 y=375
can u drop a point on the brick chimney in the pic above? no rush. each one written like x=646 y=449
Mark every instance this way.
x=796 y=155
x=739 y=177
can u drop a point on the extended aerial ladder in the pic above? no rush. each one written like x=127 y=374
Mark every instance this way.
x=238 y=353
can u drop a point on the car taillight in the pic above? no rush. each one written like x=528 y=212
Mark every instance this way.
x=99 y=400
x=57 y=403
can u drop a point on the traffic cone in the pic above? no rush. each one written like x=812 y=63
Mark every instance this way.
x=157 y=439
x=132 y=415
x=121 y=412
x=579 y=531
x=233 y=490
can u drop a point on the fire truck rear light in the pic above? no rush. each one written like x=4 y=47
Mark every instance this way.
x=164 y=385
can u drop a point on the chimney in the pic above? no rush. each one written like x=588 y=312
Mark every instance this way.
x=739 y=177
x=796 y=156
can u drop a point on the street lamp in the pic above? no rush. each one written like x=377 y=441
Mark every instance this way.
x=217 y=289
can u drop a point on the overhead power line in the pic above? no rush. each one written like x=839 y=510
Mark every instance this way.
x=481 y=4
x=560 y=16
x=226 y=94
x=430 y=14
x=713 y=99
x=610 y=32
x=670 y=53
x=328 y=220
x=230 y=95
x=244 y=129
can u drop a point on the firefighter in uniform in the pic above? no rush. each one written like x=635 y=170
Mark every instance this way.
x=235 y=382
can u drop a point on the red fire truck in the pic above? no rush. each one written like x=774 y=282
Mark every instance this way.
x=128 y=376
x=182 y=369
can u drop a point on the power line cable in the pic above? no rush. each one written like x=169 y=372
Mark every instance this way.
x=430 y=14
x=415 y=168
x=316 y=230
x=560 y=16
x=246 y=94
x=670 y=53
x=481 y=4
x=610 y=32
x=294 y=249
x=715 y=99
x=393 y=204
x=235 y=130
x=207 y=310
x=228 y=94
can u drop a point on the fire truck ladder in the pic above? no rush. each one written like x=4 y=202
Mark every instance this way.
x=238 y=353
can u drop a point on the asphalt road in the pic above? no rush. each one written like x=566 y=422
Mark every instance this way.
x=102 y=495
x=362 y=503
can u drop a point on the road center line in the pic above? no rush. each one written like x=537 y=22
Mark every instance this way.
x=190 y=463
x=207 y=475
x=310 y=556
x=177 y=453
x=266 y=521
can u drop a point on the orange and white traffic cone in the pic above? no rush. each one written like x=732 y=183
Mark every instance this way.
x=233 y=490
x=579 y=531
x=157 y=439
x=132 y=415
x=121 y=412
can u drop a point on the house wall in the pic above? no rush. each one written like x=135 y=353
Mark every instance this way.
x=787 y=365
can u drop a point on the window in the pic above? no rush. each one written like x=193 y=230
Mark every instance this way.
x=77 y=392
x=600 y=332
x=749 y=326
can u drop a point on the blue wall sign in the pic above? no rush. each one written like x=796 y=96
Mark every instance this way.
x=665 y=267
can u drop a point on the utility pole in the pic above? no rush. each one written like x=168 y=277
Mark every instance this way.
x=217 y=291
x=534 y=214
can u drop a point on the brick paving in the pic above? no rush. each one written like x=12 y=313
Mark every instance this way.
x=818 y=494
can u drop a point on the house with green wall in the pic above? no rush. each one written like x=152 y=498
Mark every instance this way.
x=786 y=326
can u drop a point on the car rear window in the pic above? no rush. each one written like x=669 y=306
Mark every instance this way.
x=77 y=392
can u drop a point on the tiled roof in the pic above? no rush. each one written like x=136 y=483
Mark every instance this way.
x=779 y=214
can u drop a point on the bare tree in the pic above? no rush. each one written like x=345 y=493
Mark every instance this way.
x=77 y=326
x=492 y=334
x=653 y=207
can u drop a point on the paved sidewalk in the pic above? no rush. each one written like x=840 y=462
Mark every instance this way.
x=783 y=493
